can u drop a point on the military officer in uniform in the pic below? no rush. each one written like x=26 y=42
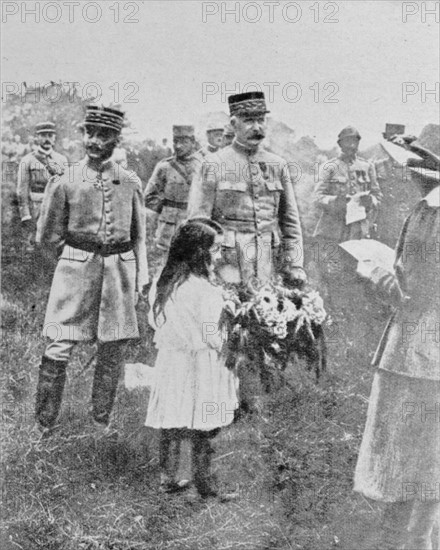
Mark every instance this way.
x=345 y=180
x=214 y=136
x=166 y=194
x=347 y=196
x=94 y=215
x=34 y=171
x=249 y=192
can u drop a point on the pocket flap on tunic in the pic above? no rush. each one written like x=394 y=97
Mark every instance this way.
x=74 y=254
x=240 y=186
x=274 y=185
x=128 y=256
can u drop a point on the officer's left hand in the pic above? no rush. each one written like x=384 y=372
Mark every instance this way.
x=295 y=277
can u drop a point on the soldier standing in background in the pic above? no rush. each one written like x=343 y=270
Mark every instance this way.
x=34 y=172
x=166 y=194
x=95 y=216
x=347 y=196
x=214 y=135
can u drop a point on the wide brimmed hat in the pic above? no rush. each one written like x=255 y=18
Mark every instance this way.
x=45 y=127
x=180 y=130
x=424 y=169
x=104 y=117
x=425 y=165
x=247 y=104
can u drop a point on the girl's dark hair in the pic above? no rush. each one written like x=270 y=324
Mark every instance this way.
x=189 y=254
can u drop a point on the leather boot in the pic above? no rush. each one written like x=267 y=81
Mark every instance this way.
x=425 y=514
x=105 y=381
x=51 y=381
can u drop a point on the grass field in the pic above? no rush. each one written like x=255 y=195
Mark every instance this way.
x=292 y=465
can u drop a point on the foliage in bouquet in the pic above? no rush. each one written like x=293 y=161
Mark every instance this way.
x=271 y=321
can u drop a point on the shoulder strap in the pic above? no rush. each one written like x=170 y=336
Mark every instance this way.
x=178 y=168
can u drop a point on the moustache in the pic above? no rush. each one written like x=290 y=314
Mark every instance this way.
x=257 y=135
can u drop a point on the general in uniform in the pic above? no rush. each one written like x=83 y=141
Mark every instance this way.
x=34 y=172
x=248 y=191
x=94 y=214
x=166 y=195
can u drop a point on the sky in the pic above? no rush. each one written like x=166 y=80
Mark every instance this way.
x=323 y=65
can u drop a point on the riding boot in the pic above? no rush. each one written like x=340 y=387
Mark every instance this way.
x=425 y=514
x=51 y=381
x=105 y=381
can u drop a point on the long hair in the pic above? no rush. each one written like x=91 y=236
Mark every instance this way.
x=189 y=254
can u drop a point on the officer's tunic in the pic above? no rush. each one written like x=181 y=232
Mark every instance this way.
x=338 y=179
x=32 y=179
x=167 y=194
x=250 y=194
x=101 y=222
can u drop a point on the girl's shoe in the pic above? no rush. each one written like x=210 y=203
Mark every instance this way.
x=170 y=485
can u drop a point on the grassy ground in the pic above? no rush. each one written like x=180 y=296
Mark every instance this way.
x=292 y=465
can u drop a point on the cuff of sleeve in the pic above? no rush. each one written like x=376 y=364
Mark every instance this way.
x=293 y=254
x=26 y=218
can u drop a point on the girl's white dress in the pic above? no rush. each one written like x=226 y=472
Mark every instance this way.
x=193 y=388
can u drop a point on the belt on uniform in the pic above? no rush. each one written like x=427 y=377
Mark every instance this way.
x=99 y=248
x=175 y=204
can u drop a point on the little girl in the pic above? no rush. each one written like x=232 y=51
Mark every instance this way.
x=194 y=394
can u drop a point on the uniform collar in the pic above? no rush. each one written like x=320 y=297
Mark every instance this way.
x=244 y=148
x=433 y=197
x=347 y=160
x=45 y=152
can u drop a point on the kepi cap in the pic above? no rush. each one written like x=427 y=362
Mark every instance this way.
x=104 y=117
x=48 y=127
x=180 y=130
x=247 y=104
x=214 y=126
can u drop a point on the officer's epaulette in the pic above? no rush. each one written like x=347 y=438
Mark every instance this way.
x=169 y=158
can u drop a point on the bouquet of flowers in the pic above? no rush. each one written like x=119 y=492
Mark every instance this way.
x=267 y=323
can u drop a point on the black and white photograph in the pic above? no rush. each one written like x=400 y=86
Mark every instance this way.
x=220 y=275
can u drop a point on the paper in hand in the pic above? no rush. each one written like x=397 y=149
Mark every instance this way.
x=355 y=211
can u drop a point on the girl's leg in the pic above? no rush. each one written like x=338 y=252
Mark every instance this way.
x=424 y=516
x=169 y=458
x=164 y=449
x=394 y=528
x=201 y=462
